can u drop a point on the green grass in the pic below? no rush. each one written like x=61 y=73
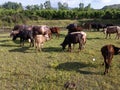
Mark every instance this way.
x=21 y=68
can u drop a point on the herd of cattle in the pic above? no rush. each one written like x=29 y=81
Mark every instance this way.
x=37 y=35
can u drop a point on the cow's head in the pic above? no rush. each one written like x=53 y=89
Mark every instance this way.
x=14 y=34
x=63 y=46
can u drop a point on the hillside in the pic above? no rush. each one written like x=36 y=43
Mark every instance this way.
x=117 y=6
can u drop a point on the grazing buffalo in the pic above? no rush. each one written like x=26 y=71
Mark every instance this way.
x=41 y=30
x=112 y=30
x=107 y=52
x=39 y=41
x=97 y=26
x=24 y=35
x=74 y=28
x=87 y=26
x=55 y=30
x=21 y=27
x=73 y=38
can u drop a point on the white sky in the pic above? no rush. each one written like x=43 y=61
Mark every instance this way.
x=96 y=4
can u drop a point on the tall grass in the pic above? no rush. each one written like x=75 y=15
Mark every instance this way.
x=22 y=68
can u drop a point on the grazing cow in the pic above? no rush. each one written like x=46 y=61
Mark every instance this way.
x=55 y=30
x=24 y=35
x=111 y=30
x=39 y=41
x=74 y=28
x=21 y=27
x=98 y=26
x=18 y=28
x=87 y=26
x=43 y=29
x=107 y=52
x=84 y=35
x=73 y=38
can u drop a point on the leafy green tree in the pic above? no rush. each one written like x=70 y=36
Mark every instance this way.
x=12 y=5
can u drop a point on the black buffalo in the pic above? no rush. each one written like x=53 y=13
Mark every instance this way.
x=73 y=38
x=24 y=35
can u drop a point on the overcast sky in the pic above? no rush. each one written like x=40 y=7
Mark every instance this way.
x=96 y=4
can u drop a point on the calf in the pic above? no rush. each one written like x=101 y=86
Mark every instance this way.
x=39 y=40
x=73 y=39
x=107 y=52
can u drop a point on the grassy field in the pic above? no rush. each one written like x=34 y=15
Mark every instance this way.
x=21 y=68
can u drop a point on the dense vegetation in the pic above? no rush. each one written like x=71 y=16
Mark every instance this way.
x=13 y=13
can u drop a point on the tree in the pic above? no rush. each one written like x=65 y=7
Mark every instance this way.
x=62 y=6
x=47 y=5
x=88 y=7
x=81 y=6
x=12 y=5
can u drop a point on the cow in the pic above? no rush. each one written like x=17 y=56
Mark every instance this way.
x=73 y=28
x=23 y=35
x=39 y=41
x=22 y=27
x=98 y=26
x=42 y=29
x=55 y=30
x=107 y=52
x=73 y=38
x=112 y=30
x=87 y=26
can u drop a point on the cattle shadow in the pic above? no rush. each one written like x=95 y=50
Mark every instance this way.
x=4 y=45
x=20 y=49
x=95 y=38
x=78 y=67
x=52 y=49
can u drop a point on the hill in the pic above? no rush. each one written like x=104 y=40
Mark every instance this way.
x=117 y=6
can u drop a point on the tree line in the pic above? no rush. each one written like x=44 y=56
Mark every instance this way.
x=13 y=13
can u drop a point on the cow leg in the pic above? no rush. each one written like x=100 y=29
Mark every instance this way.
x=32 y=43
x=69 y=47
x=21 y=42
x=36 y=47
x=110 y=36
x=106 y=36
x=106 y=66
x=107 y=61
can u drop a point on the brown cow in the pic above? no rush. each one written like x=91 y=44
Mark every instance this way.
x=55 y=30
x=107 y=52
